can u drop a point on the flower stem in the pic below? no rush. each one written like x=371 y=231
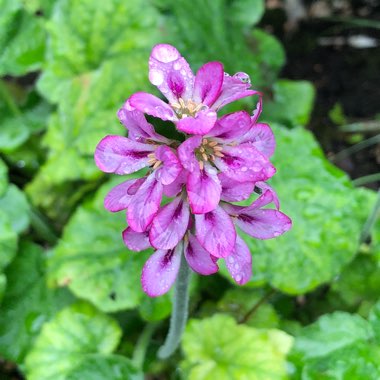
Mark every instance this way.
x=370 y=222
x=142 y=345
x=179 y=313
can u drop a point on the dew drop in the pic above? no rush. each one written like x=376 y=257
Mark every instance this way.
x=156 y=77
x=236 y=266
x=177 y=66
x=238 y=278
x=230 y=259
x=244 y=169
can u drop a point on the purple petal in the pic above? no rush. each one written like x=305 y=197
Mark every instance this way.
x=234 y=88
x=262 y=138
x=186 y=153
x=170 y=73
x=120 y=155
x=203 y=189
x=145 y=204
x=198 y=258
x=138 y=128
x=265 y=187
x=152 y=105
x=176 y=186
x=170 y=224
x=231 y=126
x=120 y=196
x=244 y=163
x=160 y=271
x=202 y=123
x=257 y=111
x=233 y=191
x=136 y=241
x=208 y=83
x=171 y=167
x=216 y=232
x=239 y=262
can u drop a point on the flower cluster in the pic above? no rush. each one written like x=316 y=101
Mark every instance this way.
x=219 y=161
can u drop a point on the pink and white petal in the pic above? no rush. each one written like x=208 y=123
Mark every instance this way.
x=264 y=223
x=136 y=241
x=208 y=83
x=171 y=167
x=201 y=124
x=264 y=199
x=231 y=126
x=198 y=258
x=160 y=271
x=152 y=105
x=138 y=128
x=233 y=191
x=121 y=155
x=170 y=224
x=239 y=262
x=177 y=185
x=265 y=187
x=257 y=111
x=170 y=72
x=186 y=153
x=203 y=189
x=120 y=196
x=145 y=204
x=244 y=163
x=216 y=232
x=262 y=138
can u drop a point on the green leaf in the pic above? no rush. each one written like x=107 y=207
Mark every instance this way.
x=70 y=337
x=8 y=241
x=374 y=318
x=93 y=260
x=155 y=309
x=321 y=202
x=101 y=367
x=292 y=103
x=19 y=52
x=247 y=12
x=218 y=348
x=3 y=177
x=27 y=304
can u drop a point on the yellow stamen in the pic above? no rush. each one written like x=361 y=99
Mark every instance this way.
x=212 y=143
x=157 y=164
x=218 y=148
x=218 y=154
x=204 y=155
x=205 y=141
x=201 y=149
x=201 y=165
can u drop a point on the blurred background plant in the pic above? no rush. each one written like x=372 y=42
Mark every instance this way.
x=71 y=303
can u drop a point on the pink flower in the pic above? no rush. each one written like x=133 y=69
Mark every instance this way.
x=220 y=161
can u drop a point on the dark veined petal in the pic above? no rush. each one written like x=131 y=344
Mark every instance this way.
x=231 y=126
x=120 y=155
x=216 y=232
x=233 y=191
x=244 y=163
x=203 y=189
x=239 y=262
x=138 y=128
x=201 y=124
x=262 y=138
x=186 y=153
x=170 y=72
x=120 y=196
x=160 y=271
x=136 y=241
x=198 y=258
x=152 y=105
x=177 y=185
x=171 y=167
x=208 y=83
x=170 y=224
x=145 y=204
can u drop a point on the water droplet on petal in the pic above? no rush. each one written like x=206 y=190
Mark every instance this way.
x=230 y=259
x=156 y=77
x=244 y=169
x=238 y=278
x=243 y=77
x=236 y=266
x=177 y=65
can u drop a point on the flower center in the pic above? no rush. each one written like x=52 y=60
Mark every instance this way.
x=185 y=108
x=153 y=161
x=207 y=152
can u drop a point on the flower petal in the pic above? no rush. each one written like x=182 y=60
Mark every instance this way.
x=120 y=155
x=170 y=224
x=203 y=189
x=202 y=123
x=145 y=204
x=136 y=241
x=152 y=105
x=138 y=128
x=176 y=186
x=160 y=271
x=264 y=187
x=233 y=191
x=120 y=196
x=231 y=126
x=208 y=83
x=186 y=153
x=239 y=262
x=216 y=232
x=198 y=258
x=171 y=167
x=244 y=163
x=257 y=111
x=262 y=138
x=170 y=73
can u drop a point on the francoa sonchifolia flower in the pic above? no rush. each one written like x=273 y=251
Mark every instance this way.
x=219 y=161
